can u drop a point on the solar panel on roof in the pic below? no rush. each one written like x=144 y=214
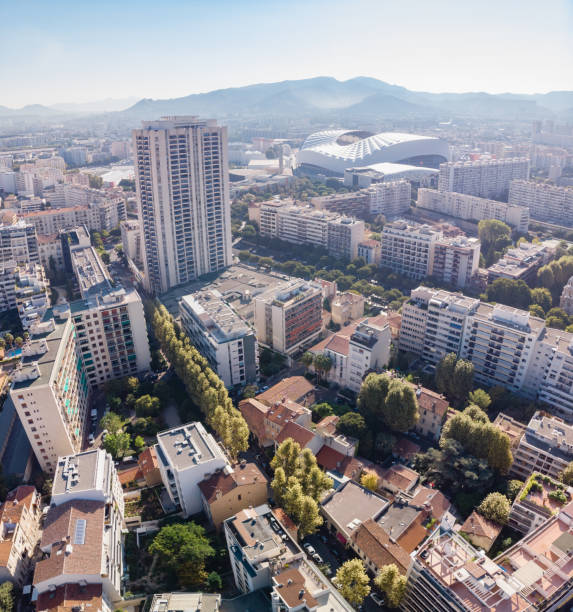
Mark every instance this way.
x=80 y=534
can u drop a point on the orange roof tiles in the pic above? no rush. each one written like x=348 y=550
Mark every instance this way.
x=478 y=525
x=439 y=503
x=400 y=476
x=291 y=588
x=295 y=388
x=242 y=475
x=378 y=547
x=297 y=432
x=405 y=448
x=69 y=596
x=148 y=460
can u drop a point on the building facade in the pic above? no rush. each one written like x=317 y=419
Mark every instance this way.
x=18 y=243
x=545 y=202
x=455 y=261
x=131 y=240
x=182 y=185
x=391 y=199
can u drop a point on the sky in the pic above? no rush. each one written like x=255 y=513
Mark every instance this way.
x=80 y=50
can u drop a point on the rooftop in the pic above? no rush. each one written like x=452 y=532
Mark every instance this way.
x=297 y=432
x=514 y=429
x=187 y=445
x=91 y=274
x=70 y=597
x=189 y=602
x=400 y=477
x=82 y=472
x=478 y=525
x=378 y=547
x=224 y=481
x=403 y=524
x=294 y=388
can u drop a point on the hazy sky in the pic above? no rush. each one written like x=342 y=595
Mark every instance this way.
x=82 y=50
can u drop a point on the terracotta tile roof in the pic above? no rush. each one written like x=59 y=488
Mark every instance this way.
x=438 y=501
x=11 y=512
x=295 y=388
x=286 y=521
x=131 y=473
x=431 y=401
x=478 y=525
x=254 y=412
x=69 y=596
x=242 y=475
x=405 y=448
x=377 y=546
x=414 y=535
x=291 y=588
x=148 y=460
x=338 y=344
x=60 y=525
x=399 y=476
x=328 y=424
x=330 y=459
x=280 y=412
x=297 y=432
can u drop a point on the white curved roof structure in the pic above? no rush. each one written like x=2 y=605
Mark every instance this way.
x=335 y=150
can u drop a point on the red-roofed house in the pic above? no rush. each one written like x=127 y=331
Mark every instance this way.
x=433 y=408
x=480 y=531
x=303 y=435
x=399 y=479
x=149 y=466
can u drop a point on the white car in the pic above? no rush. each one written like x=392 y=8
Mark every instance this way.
x=91 y=438
x=309 y=549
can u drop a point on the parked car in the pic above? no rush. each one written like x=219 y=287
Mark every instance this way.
x=91 y=438
x=317 y=558
x=309 y=549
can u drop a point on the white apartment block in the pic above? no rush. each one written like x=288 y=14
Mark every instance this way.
x=288 y=318
x=407 y=248
x=368 y=349
x=187 y=455
x=31 y=293
x=50 y=390
x=82 y=538
x=50 y=251
x=371 y=250
x=566 y=300
x=18 y=243
x=545 y=447
x=182 y=184
x=7 y=285
x=307 y=225
x=131 y=240
x=455 y=261
x=473 y=208
x=545 y=202
x=25 y=184
x=216 y=330
x=486 y=179
x=391 y=199
x=346 y=307
x=7 y=180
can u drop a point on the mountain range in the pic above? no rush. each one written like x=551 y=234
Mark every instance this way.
x=357 y=98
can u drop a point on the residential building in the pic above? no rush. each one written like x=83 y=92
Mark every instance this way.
x=523 y=261
x=407 y=248
x=31 y=293
x=190 y=602
x=353 y=204
x=18 y=243
x=480 y=531
x=131 y=240
x=514 y=429
x=297 y=389
x=288 y=318
x=566 y=300
x=540 y=498
x=545 y=202
x=371 y=250
x=20 y=516
x=267 y=421
x=432 y=408
x=82 y=536
x=546 y=446
x=346 y=307
x=186 y=455
x=50 y=251
x=455 y=261
x=149 y=466
x=391 y=199
x=218 y=332
x=482 y=178
x=305 y=225
x=329 y=288
x=398 y=479
x=182 y=185
x=50 y=389
x=232 y=489
x=473 y=208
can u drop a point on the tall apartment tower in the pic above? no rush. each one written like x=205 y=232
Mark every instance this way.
x=183 y=193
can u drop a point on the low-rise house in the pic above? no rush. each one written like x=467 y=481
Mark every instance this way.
x=74 y=596
x=346 y=307
x=230 y=490
x=19 y=533
x=480 y=531
x=295 y=388
x=433 y=408
x=398 y=479
x=514 y=429
x=149 y=466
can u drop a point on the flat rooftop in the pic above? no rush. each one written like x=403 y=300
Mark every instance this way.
x=189 y=602
x=187 y=445
x=81 y=472
x=91 y=274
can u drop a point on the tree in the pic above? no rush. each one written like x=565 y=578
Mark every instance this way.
x=9 y=339
x=322 y=365
x=509 y=291
x=112 y=422
x=214 y=582
x=105 y=258
x=372 y=396
x=542 y=297
x=512 y=489
x=352 y=424
x=6 y=597
x=495 y=507
x=384 y=443
x=476 y=414
x=557 y=318
x=369 y=480
x=117 y=444
x=96 y=182
x=454 y=378
x=307 y=359
x=146 y=405
x=494 y=236
x=139 y=444
x=184 y=549
x=567 y=475
x=18 y=341
x=445 y=372
x=400 y=411
x=392 y=583
x=479 y=398
x=352 y=581
x=536 y=311
x=322 y=410
x=249 y=391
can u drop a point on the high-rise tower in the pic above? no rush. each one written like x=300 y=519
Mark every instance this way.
x=183 y=193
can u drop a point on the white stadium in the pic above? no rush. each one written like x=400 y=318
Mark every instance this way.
x=331 y=152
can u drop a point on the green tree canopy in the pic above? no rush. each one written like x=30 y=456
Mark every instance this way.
x=509 y=291
x=7 y=597
x=392 y=583
x=117 y=444
x=352 y=581
x=454 y=378
x=146 y=405
x=480 y=398
x=400 y=411
x=495 y=237
x=495 y=507
x=567 y=475
x=112 y=422
x=352 y=424
x=372 y=396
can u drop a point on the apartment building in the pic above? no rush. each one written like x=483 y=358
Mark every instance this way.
x=50 y=389
x=232 y=489
x=346 y=307
x=131 y=239
x=391 y=199
x=195 y=602
x=187 y=455
x=31 y=294
x=218 y=332
x=566 y=300
x=182 y=185
x=473 y=208
x=50 y=251
x=433 y=408
x=545 y=202
x=546 y=446
x=455 y=260
x=18 y=243
x=523 y=261
x=482 y=178
x=407 y=248
x=288 y=318
x=353 y=204
x=371 y=250
x=82 y=537
x=20 y=517
x=306 y=225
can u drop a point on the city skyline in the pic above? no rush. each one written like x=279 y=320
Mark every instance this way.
x=235 y=44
